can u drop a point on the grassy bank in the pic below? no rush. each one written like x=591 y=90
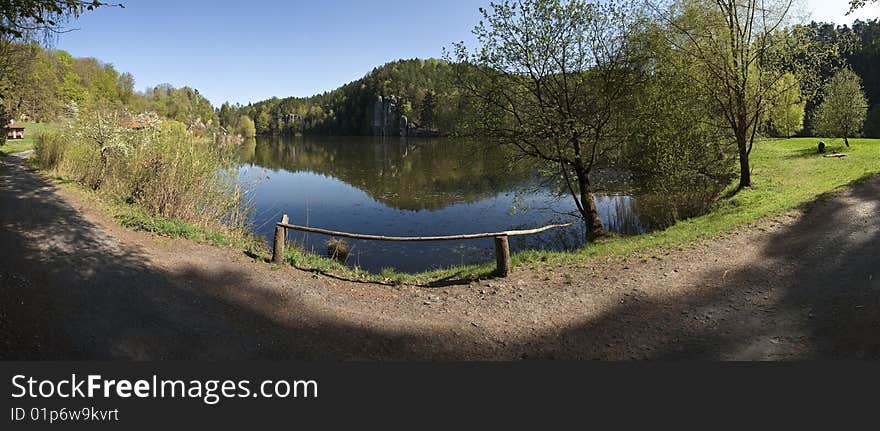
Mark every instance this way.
x=31 y=130
x=135 y=218
x=150 y=175
x=786 y=174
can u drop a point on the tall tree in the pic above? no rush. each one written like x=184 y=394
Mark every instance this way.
x=786 y=116
x=25 y=20
x=677 y=153
x=733 y=45
x=427 y=113
x=843 y=109
x=552 y=79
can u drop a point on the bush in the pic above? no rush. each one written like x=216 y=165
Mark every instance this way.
x=245 y=127
x=158 y=166
x=48 y=148
x=337 y=249
x=662 y=209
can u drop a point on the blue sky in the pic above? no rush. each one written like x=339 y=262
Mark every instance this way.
x=245 y=51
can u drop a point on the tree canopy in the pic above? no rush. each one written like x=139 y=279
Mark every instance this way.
x=44 y=82
x=843 y=109
x=554 y=81
x=422 y=87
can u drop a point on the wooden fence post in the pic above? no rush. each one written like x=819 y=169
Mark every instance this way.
x=280 y=240
x=502 y=256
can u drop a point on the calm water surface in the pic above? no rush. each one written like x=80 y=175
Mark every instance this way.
x=410 y=187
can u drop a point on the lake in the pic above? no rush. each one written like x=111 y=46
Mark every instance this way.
x=411 y=187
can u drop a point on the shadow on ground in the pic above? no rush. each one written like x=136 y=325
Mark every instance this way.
x=815 y=293
x=69 y=293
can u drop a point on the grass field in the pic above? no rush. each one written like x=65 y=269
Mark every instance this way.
x=19 y=145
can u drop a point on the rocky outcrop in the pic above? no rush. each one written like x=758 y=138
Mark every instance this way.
x=389 y=121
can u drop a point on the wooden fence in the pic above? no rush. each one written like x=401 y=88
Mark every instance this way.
x=502 y=247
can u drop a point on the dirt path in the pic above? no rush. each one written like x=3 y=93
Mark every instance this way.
x=75 y=285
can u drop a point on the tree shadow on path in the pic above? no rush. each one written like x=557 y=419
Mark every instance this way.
x=813 y=292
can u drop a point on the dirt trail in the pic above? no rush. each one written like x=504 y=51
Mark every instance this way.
x=75 y=285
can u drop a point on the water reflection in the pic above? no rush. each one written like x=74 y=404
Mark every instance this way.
x=410 y=187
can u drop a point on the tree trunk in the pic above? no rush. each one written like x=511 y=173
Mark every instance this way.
x=589 y=213
x=745 y=173
x=846 y=141
x=591 y=218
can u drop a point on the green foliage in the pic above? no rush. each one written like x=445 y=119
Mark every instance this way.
x=20 y=18
x=185 y=105
x=858 y=4
x=426 y=116
x=135 y=218
x=337 y=249
x=4 y=119
x=786 y=117
x=159 y=167
x=679 y=160
x=821 y=49
x=32 y=131
x=246 y=127
x=737 y=55
x=555 y=81
x=843 y=109
x=45 y=82
x=791 y=174
x=349 y=110
x=872 y=122
x=48 y=149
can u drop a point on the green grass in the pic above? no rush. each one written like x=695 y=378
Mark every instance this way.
x=786 y=173
x=135 y=218
x=31 y=130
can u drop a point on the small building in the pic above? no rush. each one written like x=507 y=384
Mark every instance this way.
x=14 y=131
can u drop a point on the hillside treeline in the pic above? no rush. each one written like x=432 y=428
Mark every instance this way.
x=45 y=84
x=424 y=91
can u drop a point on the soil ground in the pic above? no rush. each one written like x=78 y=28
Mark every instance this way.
x=75 y=285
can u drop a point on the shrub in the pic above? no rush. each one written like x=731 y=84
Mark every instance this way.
x=337 y=249
x=662 y=209
x=158 y=166
x=48 y=148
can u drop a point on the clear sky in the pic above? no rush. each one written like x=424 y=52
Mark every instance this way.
x=245 y=51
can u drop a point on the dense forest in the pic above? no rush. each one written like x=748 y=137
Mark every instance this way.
x=45 y=84
x=423 y=91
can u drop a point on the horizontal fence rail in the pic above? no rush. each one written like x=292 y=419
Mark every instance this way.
x=502 y=246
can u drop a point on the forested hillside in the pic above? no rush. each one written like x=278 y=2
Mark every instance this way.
x=423 y=93
x=44 y=84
